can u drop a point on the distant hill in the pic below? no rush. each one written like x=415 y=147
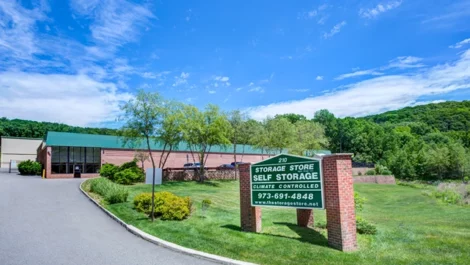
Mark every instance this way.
x=34 y=129
x=445 y=116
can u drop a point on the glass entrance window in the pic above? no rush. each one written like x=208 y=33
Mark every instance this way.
x=64 y=159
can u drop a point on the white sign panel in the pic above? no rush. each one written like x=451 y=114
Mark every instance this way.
x=149 y=176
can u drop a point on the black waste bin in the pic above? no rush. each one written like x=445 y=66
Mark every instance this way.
x=77 y=172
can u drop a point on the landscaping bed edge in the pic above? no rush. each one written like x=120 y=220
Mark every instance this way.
x=160 y=242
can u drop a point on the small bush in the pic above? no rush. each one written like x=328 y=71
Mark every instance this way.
x=128 y=176
x=111 y=192
x=466 y=179
x=359 y=202
x=29 y=167
x=108 y=171
x=128 y=165
x=447 y=196
x=143 y=202
x=168 y=206
x=370 y=172
x=364 y=227
x=206 y=203
x=386 y=172
x=359 y=173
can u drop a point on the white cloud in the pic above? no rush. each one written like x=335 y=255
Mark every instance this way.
x=358 y=73
x=379 y=9
x=312 y=13
x=221 y=78
x=405 y=62
x=239 y=89
x=212 y=91
x=459 y=45
x=157 y=75
x=116 y=22
x=181 y=79
x=379 y=93
x=401 y=62
x=319 y=78
x=59 y=98
x=335 y=30
x=299 y=90
x=17 y=26
x=322 y=20
x=256 y=89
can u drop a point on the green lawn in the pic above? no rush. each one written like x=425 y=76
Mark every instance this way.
x=412 y=228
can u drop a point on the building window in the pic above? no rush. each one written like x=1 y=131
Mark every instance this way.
x=64 y=159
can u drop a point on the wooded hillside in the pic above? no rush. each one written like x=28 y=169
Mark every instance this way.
x=34 y=129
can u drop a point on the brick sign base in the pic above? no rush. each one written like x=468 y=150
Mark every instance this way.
x=339 y=203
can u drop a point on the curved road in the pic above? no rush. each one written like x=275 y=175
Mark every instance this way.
x=51 y=222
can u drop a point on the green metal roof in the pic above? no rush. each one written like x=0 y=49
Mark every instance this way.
x=116 y=142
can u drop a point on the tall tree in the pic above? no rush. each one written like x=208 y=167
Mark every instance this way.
x=170 y=132
x=143 y=116
x=203 y=130
x=281 y=133
x=237 y=121
x=309 y=135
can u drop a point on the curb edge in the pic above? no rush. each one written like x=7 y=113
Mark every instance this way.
x=160 y=242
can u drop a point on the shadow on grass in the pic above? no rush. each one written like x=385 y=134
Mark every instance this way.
x=307 y=235
x=209 y=183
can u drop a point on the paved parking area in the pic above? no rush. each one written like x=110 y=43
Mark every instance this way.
x=51 y=222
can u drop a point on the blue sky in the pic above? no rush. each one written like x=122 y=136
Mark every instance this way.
x=76 y=61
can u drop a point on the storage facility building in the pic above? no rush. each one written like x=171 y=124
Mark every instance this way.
x=13 y=150
x=61 y=154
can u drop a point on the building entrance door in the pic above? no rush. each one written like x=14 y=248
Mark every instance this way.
x=77 y=171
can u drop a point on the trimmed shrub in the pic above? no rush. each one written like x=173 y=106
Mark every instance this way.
x=466 y=179
x=111 y=192
x=168 y=206
x=143 y=202
x=364 y=227
x=128 y=165
x=29 y=167
x=370 y=172
x=128 y=176
x=359 y=173
x=108 y=171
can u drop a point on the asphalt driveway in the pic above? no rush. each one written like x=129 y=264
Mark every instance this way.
x=51 y=222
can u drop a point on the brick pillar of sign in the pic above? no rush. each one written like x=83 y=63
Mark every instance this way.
x=339 y=202
x=250 y=217
x=304 y=217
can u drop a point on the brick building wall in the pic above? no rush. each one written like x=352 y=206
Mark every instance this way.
x=176 y=159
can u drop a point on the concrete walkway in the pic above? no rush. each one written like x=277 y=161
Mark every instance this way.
x=51 y=222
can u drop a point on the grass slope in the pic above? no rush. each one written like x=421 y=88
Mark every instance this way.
x=413 y=229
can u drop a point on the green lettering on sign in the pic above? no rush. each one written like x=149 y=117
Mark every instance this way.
x=287 y=181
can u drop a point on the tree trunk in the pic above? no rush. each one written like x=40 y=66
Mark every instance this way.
x=161 y=157
x=201 y=166
x=153 y=180
x=167 y=155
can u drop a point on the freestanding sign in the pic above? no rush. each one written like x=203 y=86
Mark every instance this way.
x=302 y=183
x=287 y=181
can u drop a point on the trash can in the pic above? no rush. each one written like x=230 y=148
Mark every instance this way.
x=77 y=172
